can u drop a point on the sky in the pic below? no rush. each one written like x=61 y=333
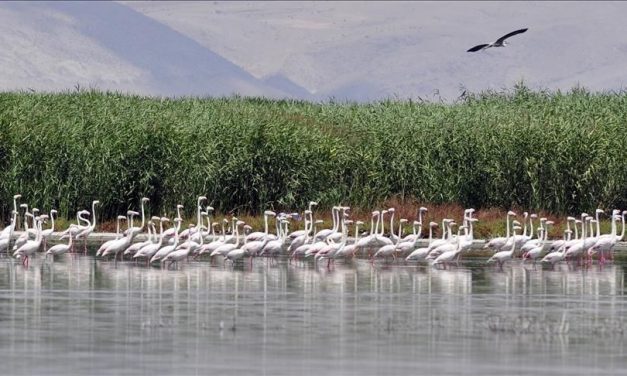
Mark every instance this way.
x=355 y=51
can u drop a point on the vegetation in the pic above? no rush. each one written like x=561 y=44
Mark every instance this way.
x=559 y=152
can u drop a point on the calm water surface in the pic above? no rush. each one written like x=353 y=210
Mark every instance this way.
x=83 y=316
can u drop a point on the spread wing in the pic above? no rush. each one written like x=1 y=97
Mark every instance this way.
x=478 y=47
x=501 y=39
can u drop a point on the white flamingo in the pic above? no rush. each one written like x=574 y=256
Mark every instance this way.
x=349 y=250
x=259 y=235
x=59 y=249
x=499 y=242
x=164 y=251
x=85 y=232
x=9 y=230
x=5 y=240
x=390 y=249
x=411 y=238
x=225 y=248
x=503 y=256
x=448 y=256
x=149 y=250
x=558 y=255
x=31 y=246
x=104 y=245
x=45 y=234
x=420 y=254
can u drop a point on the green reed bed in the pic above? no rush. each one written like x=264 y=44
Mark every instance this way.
x=560 y=152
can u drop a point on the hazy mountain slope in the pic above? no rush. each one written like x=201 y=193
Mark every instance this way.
x=310 y=50
x=159 y=59
x=42 y=50
x=410 y=48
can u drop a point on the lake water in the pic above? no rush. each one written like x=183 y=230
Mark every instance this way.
x=79 y=315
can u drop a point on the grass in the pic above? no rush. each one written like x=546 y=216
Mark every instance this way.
x=551 y=152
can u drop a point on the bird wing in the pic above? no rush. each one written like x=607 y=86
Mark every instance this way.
x=478 y=47
x=501 y=39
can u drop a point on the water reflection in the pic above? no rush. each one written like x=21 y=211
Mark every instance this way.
x=80 y=315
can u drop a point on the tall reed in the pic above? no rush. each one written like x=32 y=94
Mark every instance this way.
x=562 y=152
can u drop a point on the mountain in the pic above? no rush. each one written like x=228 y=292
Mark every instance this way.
x=311 y=50
x=111 y=46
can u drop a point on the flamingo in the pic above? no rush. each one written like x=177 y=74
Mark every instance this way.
x=303 y=249
x=118 y=246
x=499 y=242
x=448 y=245
x=558 y=255
x=502 y=256
x=164 y=251
x=169 y=233
x=59 y=249
x=85 y=232
x=605 y=243
x=421 y=253
x=104 y=245
x=8 y=230
x=254 y=236
x=308 y=221
x=188 y=232
x=535 y=252
x=31 y=246
x=180 y=253
x=212 y=246
x=445 y=231
x=368 y=241
x=5 y=240
x=349 y=250
x=133 y=248
x=149 y=250
x=577 y=249
x=411 y=238
x=448 y=256
x=47 y=232
x=275 y=247
x=322 y=234
x=533 y=243
x=139 y=229
x=239 y=253
x=330 y=251
x=74 y=229
x=225 y=248
x=302 y=239
x=390 y=250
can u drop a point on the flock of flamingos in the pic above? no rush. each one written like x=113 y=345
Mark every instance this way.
x=582 y=239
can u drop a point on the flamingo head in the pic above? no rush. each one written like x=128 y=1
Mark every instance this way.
x=209 y=209
x=511 y=213
x=15 y=197
x=423 y=209
x=145 y=199
x=533 y=215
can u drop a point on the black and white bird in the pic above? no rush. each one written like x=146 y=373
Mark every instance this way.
x=499 y=42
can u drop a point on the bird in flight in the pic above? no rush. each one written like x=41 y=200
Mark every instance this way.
x=499 y=42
